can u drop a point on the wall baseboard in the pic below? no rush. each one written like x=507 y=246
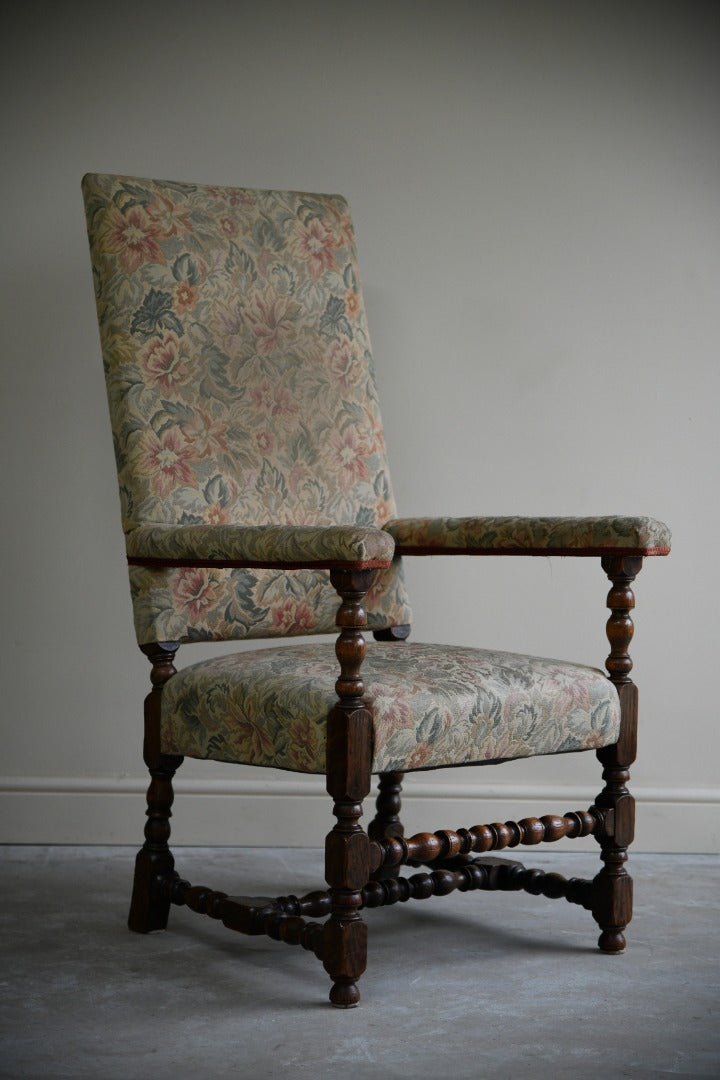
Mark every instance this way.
x=295 y=811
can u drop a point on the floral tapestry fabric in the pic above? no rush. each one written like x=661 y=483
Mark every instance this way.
x=263 y=543
x=432 y=706
x=241 y=391
x=589 y=535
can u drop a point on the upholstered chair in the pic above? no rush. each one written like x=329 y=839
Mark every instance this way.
x=257 y=503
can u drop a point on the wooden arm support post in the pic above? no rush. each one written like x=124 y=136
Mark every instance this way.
x=349 y=761
x=613 y=887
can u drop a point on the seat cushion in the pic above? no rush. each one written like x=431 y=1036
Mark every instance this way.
x=433 y=705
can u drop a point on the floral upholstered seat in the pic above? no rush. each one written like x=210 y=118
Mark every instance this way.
x=256 y=502
x=432 y=706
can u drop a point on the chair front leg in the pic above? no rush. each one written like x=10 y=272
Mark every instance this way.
x=149 y=909
x=613 y=886
x=349 y=761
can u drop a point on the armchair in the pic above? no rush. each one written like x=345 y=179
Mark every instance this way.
x=257 y=503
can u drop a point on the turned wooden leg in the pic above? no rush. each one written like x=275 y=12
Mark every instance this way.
x=149 y=909
x=349 y=760
x=613 y=887
x=386 y=823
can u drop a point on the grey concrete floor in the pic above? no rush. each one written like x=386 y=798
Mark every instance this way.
x=465 y=986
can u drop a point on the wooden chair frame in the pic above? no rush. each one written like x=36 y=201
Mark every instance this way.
x=362 y=867
x=248 y=437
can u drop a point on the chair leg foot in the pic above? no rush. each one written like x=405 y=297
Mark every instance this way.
x=344 y=994
x=345 y=938
x=154 y=863
x=149 y=910
x=612 y=940
x=612 y=902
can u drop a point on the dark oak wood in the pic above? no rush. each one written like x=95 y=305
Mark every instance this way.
x=447 y=844
x=388 y=804
x=279 y=919
x=386 y=823
x=483 y=874
x=613 y=886
x=349 y=760
x=285 y=918
x=149 y=908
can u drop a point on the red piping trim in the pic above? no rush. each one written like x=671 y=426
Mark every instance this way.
x=417 y=549
x=254 y=564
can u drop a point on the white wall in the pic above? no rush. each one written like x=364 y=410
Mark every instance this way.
x=536 y=190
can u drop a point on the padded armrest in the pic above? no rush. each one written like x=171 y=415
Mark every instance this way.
x=273 y=546
x=530 y=536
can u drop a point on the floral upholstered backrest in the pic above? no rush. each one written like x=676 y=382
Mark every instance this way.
x=241 y=390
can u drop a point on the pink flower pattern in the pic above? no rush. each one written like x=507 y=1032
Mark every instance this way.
x=293 y=617
x=270 y=318
x=207 y=435
x=315 y=245
x=167 y=461
x=170 y=217
x=165 y=363
x=349 y=450
x=186 y=296
x=343 y=367
x=197 y=590
x=133 y=238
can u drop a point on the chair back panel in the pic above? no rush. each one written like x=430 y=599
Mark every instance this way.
x=241 y=390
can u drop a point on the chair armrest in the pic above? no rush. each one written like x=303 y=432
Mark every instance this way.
x=530 y=536
x=287 y=547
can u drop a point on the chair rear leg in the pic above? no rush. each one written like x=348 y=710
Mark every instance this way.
x=149 y=907
x=386 y=822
